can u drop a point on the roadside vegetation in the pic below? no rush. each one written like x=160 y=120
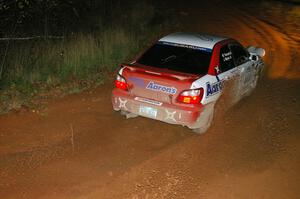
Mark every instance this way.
x=68 y=56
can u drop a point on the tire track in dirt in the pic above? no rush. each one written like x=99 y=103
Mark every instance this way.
x=104 y=140
x=280 y=48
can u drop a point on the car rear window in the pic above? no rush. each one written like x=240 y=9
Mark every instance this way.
x=176 y=57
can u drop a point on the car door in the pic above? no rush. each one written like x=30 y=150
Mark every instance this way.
x=244 y=67
x=228 y=71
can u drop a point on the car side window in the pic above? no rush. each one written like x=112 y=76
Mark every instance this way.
x=240 y=55
x=226 y=59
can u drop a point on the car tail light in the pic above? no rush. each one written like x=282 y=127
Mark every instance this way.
x=121 y=83
x=193 y=96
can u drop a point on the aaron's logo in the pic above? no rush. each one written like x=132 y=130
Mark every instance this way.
x=214 y=88
x=161 y=88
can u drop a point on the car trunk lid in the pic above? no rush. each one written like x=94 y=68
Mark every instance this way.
x=156 y=86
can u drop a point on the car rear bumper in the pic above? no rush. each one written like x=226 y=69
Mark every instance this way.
x=173 y=114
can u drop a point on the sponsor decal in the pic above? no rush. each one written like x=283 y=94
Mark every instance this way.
x=149 y=101
x=161 y=88
x=185 y=46
x=122 y=104
x=170 y=115
x=226 y=56
x=214 y=88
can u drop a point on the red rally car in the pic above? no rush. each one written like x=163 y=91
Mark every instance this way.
x=179 y=79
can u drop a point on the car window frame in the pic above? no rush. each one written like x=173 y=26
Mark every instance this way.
x=174 y=45
x=220 y=57
x=234 y=59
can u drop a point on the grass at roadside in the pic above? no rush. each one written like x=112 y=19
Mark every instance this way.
x=72 y=64
x=42 y=66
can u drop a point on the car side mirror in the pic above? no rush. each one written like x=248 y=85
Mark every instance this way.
x=261 y=52
x=257 y=51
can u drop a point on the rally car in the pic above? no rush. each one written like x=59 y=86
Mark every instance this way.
x=179 y=79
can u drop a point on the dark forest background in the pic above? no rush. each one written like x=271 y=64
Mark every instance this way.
x=60 y=17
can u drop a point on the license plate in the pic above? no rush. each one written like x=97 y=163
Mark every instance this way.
x=148 y=111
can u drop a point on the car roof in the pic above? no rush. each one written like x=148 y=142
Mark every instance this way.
x=193 y=39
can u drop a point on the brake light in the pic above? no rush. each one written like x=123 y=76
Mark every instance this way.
x=193 y=96
x=121 y=83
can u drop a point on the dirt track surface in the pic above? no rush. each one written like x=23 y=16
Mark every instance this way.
x=253 y=151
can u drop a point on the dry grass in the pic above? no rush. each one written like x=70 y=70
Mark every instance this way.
x=33 y=67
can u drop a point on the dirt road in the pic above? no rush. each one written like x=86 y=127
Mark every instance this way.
x=79 y=148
